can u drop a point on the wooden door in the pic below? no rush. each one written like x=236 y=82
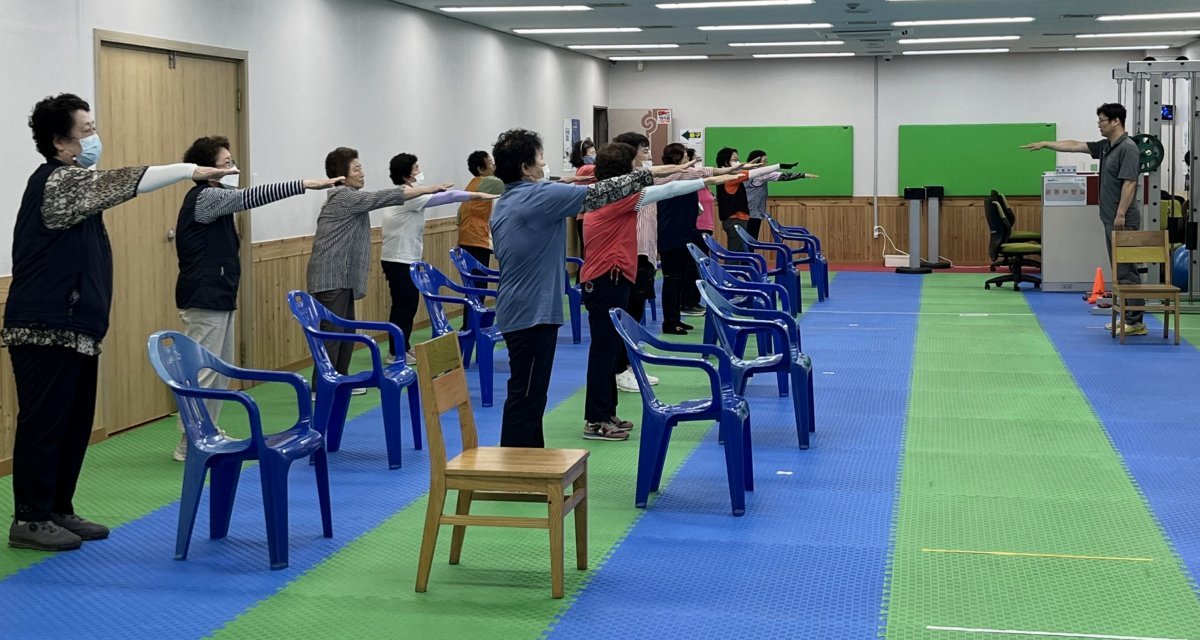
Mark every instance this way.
x=152 y=104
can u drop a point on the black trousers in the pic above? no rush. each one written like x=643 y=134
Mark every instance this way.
x=732 y=240
x=340 y=302
x=604 y=354
x=405 y=299
x=753 y=225
x=484 y=256
x=530 y=360
x=674 y=268
x=56 y=400
x=689 y=295
x=642 y=290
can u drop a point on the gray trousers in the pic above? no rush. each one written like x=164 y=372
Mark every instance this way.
x=1127 y=273
x=341 y=303
x=212 y=330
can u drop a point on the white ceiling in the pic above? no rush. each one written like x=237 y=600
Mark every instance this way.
x=1055 y=25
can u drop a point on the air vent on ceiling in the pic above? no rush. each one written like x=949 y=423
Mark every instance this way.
x=862 y=34
x=862 y=23
x=1080 y=16
x=608 y=5
x=659 y=26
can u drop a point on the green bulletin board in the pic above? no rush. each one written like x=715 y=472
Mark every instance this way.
x=825 y=151
x=973 y=159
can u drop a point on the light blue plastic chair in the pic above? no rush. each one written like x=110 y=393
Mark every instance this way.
x=333 y=389
x=658 y=418
x=480 y=336
x=788 y=361
x=178 y=360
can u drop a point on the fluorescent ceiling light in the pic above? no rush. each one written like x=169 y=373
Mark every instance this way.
x=1141 y=34
x=1144 y=47
x=622 y=46
x=956 y=39
x=757 y=27
x=590 y=30
x=632 y=58
x=952 y=51
x=801 y=43
x=721 y=4
x=942 y=23
x=832 y=54
x=1152 y=16
x=516 y=9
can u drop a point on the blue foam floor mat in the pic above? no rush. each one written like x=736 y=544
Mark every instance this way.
x=809 y=558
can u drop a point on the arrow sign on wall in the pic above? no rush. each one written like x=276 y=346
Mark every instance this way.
x=692 y=135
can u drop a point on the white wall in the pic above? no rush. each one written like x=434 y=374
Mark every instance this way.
x=368 y=74
x=1053 y=87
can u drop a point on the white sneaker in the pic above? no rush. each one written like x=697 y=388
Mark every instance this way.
x=653 y=380
x=361 y=391
x=410 y=358
x=626 y=381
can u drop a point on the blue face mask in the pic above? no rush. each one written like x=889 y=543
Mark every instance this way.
x=589 y=159
x=90 y=154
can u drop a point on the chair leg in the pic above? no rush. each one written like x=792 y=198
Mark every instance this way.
x=1176 y=321
x=581 y=522
x=459 y=531
x=194 y=471
x=322 y=470
x=393 y=428
x=576 y=321
x=648 y=452
x=414 y=414
x=660 y=461
x=732 y=426
x=336 y=406
x=275 y=505
x=781 y=377
x=812 y=401
x=555 y=514
x=222 y=489
x=800 y=406
x=747 y=455
x=433 y=518
x=484 y=355
x=467 y=345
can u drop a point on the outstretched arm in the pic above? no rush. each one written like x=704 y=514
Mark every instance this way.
x=1062 y=146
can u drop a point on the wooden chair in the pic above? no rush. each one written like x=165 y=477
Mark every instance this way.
x=491 y=473
x=1144 y=246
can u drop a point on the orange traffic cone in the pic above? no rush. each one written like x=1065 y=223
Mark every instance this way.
x=1097 y=287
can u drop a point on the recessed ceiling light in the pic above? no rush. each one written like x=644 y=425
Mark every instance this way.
x=588 y=30
x=952 y=51
x=831 y=54
x=940 y=23
x=1152 y=16
x=632 y=58
x=516 y=9
x=1129 y=48
x=800 y=43
x=956 y=39
x=721 y=4
x=622 y=46
x=1141 y=34
x=756 y=27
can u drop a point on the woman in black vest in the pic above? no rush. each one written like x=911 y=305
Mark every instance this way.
x=57 y=314
x=210 y=269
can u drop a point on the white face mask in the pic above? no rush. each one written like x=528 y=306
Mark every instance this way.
x=419 y=178
x=230 y=181
x=647 y=164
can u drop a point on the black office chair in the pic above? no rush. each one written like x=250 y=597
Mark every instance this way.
x=1014 y=256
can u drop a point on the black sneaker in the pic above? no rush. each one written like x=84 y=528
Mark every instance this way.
x=692 y=311
x=85 y=529
x=603 y=431
x=42 y=536
x=675 y=329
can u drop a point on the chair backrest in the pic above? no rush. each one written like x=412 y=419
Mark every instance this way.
x=178 y=361
x=712 y=271
x=997 y=226
x=429 y=281
x=1005 y=209
x=309 y=313
x=443 y=385
x=466 y=264
x=634 y=335
x=1141 y=246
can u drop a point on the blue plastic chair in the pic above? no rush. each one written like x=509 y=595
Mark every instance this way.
x=575 y=301
x=818 y=266
x=333 y=388
x=480 y=336
x=658 y=418
x=472 y=271
x=743 y=293
x=178 y=360
x=788 y=361
x=784 y=270
x=751 y=264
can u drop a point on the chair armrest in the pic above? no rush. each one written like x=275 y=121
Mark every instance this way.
x=716 y=377
x=376 y=360
x=241 y=397
x=394 y=332
x=575 y=261
x=470 y=291
x=753 y=259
